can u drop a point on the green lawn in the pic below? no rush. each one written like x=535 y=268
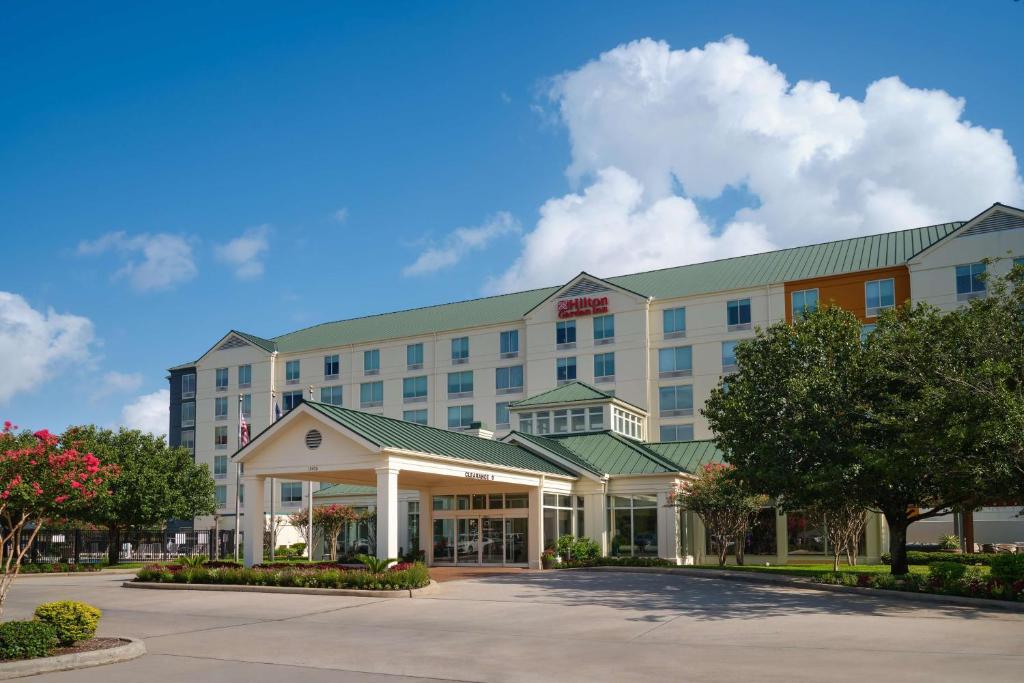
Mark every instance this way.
x=816 y=569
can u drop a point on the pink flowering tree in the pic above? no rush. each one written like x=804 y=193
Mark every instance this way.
x=39 y=480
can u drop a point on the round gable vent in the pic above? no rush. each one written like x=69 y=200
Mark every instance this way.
x=313 y=439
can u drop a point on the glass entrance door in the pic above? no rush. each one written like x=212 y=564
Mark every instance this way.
x=516 y=540
x=493 y=539
x=467 y=550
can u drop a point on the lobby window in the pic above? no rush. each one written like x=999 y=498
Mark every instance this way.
x=509 y=380
x=371 y=394
x=220 y=466
x=414 y=356
x=508 y=345
x=414 y=525
x=460 y=384
x=878 y=296
x=595 y=418
x=188 y=440
x=729 y=356
x=676 y=400
x=371 y=362
x=220 y=496
x=676 y=433
x=222 y=379
x=244 y=376
x=759 y=539
x=676 y=361
x=332 y=366
x=460 y=350
x=970 y=281
x=633 y=526
x=565 y=369
x=460 y=417
x=247 y=405
x=565 y=334
x=291 y=492
x=188 y=414
x=501 y=418
x=526 y=423
x=558 y=518
x=290 y=399
x=220 y=437
x=291 y=372
x=415 y=416
x=542 y=422
x=188 y=386
x=220 y=408
x=604 y=329
x=414 y=389
x=803 y=302
x=604 y=367
x=806 y=535
x=738 y=314
x=673 y=322
x=330 y=395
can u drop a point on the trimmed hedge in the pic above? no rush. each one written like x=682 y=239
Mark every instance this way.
x=72 y=621
x=400 y=577
x=26 y=639
x=919 y=557
x=944 y=578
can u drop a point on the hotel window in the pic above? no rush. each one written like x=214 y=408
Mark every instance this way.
x=526 y=423
x=676 y=400
x=460 y=350
x=676 y=433
x=247 y=405
x=565 y=334
x=188 y=440
x=220 y=408
x=460 y=384
x=542 y=422
x=413 y=524
x=738 y=314
x=371 y=394
x=565 y=369
x=244 y=376
x=291 y=372
x=241 y=494
x=371 y=362
x=220 y=496
x=414 y=389
x=188 y=386
x=188 y=414
x=673 y=321
x=290 y=399
x=558 y=518
x=509 y=380
x=878 y=296
x=604 y=367
x=414 y=356
x=330 y=395
x=220 y=437
x=415 y=416
x=220 y=466
x=604 y=329
x=596 y=416
x=970 y=282
x=805 y=301
x=222 y=379
x=332 y=366
x=460 y=417
x=676 y=361
x=291 y=492
x=509 y=344
x=633 y=525
x=729 y=356
x=501 y=418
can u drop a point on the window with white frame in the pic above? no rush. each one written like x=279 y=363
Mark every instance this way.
x=188 y=386
x=188 y=439
x=371 y=394
x=563 y=515
x=460 y=417
x=291 y=492
x=604 y=367
x=414 y=356
x=509 y=380
x=675 y=361
x=290 y=400
x=415 y=416
x=673 y=322
x=244 y=376
x=509 y=344
x=371 y=362
x=970 y=281
x=633 y=526
x=569 y=420
x=460 y=350
x=604 y=329
x=220 y=408
x=188 y=414
x=675 y=400
x=878 y=296
x=414 y=389
x=565 y=369
x=221 y=379
x=332 y=366
x=676 y=432
x=220 y=496
x=291 y=372
x=501 y=416
x=220 y=437
x=627 y=423
x=246 y=406
x=804 y=302
x=460 y=384
x=729 y=355
x=565 y=334
x=220 y=466
x=331 y=395
x=738 y=314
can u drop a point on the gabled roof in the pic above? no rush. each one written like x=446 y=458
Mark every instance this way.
x=584 y=284
x=555 y=447
x=264 y=344
x=605 y=452
x=688 y=456
x=346 y=490
x=572 y=392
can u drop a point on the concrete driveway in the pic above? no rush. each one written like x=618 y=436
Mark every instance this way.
x=563 y=626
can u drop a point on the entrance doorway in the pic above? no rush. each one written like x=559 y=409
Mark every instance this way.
x=481 y=540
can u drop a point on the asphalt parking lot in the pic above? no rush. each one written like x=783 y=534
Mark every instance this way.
x=530 y=626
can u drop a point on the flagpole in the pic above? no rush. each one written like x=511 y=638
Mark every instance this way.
x=273 y=530
x=309 y=546
x=238 y=481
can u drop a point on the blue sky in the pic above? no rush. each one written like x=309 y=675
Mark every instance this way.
x=169 y=173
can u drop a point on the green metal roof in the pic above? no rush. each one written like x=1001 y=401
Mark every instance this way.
x=555 y=447
x=346 y=490
x=573 y=392
x=688 y=456
x=264 y=344
x=606 y=452
x=389 y=432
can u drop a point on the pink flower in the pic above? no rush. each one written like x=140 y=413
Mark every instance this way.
x=60 y=499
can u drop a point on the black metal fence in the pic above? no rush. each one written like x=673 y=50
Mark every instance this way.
x=77 y=546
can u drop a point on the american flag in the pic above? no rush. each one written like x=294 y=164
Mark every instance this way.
x=243 y=430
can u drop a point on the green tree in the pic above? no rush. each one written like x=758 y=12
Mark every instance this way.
x=155 y=483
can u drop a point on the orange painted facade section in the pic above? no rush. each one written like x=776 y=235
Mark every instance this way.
x=847 y=291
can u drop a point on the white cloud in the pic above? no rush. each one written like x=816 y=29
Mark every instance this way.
x=690 y=124
x=341 y=215
x=244 y=253
x=117 y=383
x=461 y=242
x=148 y=413
x=34 y=345
x=166 y=259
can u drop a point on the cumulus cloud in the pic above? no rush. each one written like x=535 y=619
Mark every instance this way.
x=152 y=261
x=148 y=413
x=673 y=126
x=460 y=242
x=35 y=345
x=244 y=253
x=117 y=383
x=341 y=215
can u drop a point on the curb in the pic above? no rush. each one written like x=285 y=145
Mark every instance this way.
x=79 y=660
x=798 y=582
x=288 y=590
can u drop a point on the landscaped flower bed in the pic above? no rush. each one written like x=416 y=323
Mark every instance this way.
x=615 y=562
x=62 y=627
x=402 y=576
x=58 y=567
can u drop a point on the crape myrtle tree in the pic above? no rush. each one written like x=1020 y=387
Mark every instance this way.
x=154 y=483
x=332 y=520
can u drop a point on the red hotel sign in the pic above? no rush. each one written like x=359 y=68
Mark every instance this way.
x=582 y=305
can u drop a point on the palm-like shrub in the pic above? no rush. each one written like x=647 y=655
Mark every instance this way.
x=376 y=565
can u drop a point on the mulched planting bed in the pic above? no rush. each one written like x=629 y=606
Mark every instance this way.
x=88 y=646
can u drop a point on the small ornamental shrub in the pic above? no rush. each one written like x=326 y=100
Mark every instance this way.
x=619 y=562
x=401 y=577
x=71 y=621
x=58 y=568
x=945 y=574
x=26 y=639
x=921 y=557
x=1008 y=568
x=949 y=542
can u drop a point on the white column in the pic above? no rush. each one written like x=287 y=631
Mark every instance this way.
x=254 y=520
x=668 y=530
x=595 y=519
x=387 y=512
x=536 y=527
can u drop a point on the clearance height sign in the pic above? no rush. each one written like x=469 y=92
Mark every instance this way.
x=582 y=305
